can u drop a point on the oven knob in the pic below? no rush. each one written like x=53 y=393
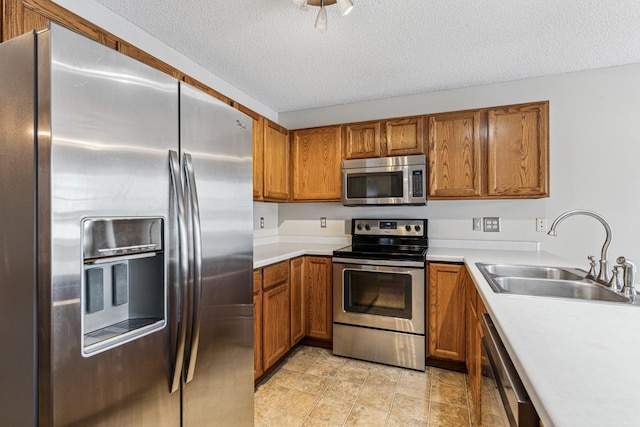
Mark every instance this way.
x=417 y=227
x=359 y=227
x=407 y=227
x=367 y=227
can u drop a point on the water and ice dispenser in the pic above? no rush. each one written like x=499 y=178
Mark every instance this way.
x=123 y=290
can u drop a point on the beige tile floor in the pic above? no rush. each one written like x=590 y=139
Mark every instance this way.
x=315 y=388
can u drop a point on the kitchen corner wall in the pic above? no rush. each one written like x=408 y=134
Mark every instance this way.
x=594 y=152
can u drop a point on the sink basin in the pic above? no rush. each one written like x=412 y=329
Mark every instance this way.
x=534 y=272
x=558 y=289
x=542 y=281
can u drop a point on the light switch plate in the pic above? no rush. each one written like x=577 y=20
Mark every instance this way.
x=491 y=224
x=323 y=222
x=477 y=224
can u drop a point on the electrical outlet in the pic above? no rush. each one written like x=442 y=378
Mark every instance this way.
x=491 y=224
x=477 y=224
x=541 y=224
x=323 y=222
x=261 y=222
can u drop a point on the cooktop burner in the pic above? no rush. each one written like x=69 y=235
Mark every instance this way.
x=401 y=239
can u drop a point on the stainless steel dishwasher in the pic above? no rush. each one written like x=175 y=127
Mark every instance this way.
x=501 y=385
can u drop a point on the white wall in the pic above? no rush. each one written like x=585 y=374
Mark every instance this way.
x=595 y=153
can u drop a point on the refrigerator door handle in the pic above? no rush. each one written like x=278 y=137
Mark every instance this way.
x=192 y=193
x=183 y=272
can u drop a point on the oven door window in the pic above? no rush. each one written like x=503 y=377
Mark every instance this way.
x=376 y=293
x=375 y=185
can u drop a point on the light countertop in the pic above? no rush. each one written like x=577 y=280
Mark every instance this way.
x=577 y=359
x=271 y=250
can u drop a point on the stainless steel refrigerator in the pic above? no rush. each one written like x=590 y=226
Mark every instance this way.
x=125 y=243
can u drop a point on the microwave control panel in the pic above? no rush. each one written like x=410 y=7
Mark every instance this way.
x=416 y=187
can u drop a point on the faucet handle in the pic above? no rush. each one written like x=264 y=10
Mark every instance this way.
x=616 y=283
x=592 y=267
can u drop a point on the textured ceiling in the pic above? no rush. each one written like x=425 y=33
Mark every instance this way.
x=269 y=50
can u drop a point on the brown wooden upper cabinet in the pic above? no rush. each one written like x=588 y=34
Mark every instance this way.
x=276 y=162
x=500 y=152
x=518 y=150
x=258 y=150
x=455 y=155
x=316 y=156
x=18 y=20
x=393 y=137
x=404 y=137
x=362 y=140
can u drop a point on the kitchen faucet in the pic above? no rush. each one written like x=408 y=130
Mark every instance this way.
x=603 y=274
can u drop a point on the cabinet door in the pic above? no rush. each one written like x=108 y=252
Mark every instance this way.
x=455 y=155
x=316 y=156
x=404 y=136
x=362 y=140
x=473 y=346
x=258 y=158
x=446 y=312
x=276 y=324
x=257 y=335
x=518 y=147
x=276 y=162
x=319 y=294
x=257 y=323
x=296 y=280
x=258 y=149
x=18 y=20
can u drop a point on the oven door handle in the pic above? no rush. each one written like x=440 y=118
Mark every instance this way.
x=382 y=262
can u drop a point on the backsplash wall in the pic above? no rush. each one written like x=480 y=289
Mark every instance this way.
x=447 y=219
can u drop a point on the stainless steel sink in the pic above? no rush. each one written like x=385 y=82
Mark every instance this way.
x=534 y=272
x=555 y=282
x=558 y=289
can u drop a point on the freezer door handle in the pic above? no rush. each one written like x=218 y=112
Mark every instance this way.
x=183 y=271
x=194 y=208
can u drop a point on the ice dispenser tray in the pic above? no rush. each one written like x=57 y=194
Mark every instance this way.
x=123 y=291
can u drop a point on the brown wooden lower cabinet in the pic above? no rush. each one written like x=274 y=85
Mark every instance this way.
x=257 y=323
x=319 y=295
x=296 y=283
x=446 y=312
x=474 y=338
x=474 y=310
x=292 y=300
x=276 y=332
x=257 y=335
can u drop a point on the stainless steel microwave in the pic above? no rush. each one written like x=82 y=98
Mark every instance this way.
x=384 y=181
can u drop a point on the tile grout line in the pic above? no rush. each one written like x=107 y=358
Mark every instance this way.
x=353 y=404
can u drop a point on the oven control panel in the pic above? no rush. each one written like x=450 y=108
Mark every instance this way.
x=386 y=227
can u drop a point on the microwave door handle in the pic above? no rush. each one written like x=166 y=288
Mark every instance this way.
x=183 y=271
x=197 y=265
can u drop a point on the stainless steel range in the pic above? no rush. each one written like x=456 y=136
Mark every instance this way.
x=379 y=298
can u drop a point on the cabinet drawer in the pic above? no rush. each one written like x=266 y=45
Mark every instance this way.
x=257 y=280
x=274 y=274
